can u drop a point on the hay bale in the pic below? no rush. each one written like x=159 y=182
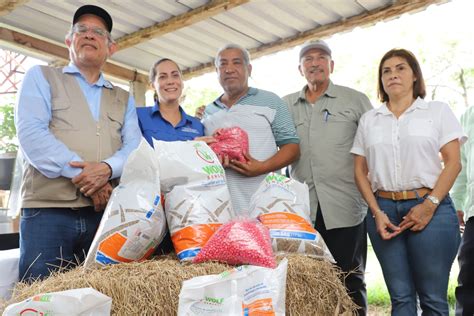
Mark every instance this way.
x=152 y=287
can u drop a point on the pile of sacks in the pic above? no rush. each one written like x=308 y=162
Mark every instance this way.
x=187 y=178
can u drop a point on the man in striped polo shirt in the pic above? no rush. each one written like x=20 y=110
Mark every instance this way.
x=273 y=143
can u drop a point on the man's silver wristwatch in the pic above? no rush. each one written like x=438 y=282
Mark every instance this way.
x=433 y=199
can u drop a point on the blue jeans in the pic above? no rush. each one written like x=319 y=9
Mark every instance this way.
x=54 y=238
x=417 y=262
x=465 y=289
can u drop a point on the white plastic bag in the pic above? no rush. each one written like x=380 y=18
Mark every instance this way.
x=282 y=205
x=197 y=200
x=245 y=290
x=188 y=162
x=9 y=273
x=133 y=224
x=83 y=302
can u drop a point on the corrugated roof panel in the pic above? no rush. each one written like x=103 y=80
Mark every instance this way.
x=193 y=3
x=171 y=41
x=251 y=24
x=169 y=6
x=192 y=43
x=211 y=41
x=373 y=4
x=53 y=10
x=166 y=49
x=247 y=25
x=36 y=22
x=125 y=23
x=280 y=13
x=135 y=58
x=226 y=33
x=316 y=13
x=343 y=8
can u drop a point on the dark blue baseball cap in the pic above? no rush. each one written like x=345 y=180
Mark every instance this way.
x=94 y=10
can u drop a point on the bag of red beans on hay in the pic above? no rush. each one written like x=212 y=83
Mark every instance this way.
x=232 y=142
x=241 y=241
x=282 y=205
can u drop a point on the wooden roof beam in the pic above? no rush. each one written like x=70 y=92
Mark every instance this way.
x=199 y=14
x=368 y=18
x=7 y=6
x=29 y=43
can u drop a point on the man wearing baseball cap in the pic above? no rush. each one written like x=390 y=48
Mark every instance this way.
x=326 y=118
x=75 y=130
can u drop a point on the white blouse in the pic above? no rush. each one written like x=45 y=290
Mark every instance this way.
x=403 y=154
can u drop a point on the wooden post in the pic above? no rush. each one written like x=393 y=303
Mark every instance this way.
x=138 y=90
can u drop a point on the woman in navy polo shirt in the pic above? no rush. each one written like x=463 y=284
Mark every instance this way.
x=166 y=120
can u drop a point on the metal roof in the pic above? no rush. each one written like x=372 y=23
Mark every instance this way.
x=191 y=31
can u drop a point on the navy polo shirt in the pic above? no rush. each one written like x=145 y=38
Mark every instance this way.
x=153 y=125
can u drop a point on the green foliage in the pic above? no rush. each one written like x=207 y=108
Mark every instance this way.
x=195 y=98
x=451 y=288
x=377 y=294
x=8 y=141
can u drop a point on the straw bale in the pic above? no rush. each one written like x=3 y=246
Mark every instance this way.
x=152 y=287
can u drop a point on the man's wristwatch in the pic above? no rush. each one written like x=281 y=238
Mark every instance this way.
x=433 y=199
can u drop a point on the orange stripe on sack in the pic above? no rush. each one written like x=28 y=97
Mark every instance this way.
x=284 y=220
x=193 y=236
x=263 y=307
x=112 y=245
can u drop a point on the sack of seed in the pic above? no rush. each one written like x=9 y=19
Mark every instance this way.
x=282 y=205
x=134 y=223
x=197 y=200
x=83 y=301
x=232 y=142
x=241 y=241
x=244 y=290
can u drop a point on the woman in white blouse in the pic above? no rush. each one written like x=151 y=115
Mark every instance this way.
x=413 y=225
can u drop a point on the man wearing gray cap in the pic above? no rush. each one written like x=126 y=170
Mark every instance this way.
x=75 y=131
x=326 y=118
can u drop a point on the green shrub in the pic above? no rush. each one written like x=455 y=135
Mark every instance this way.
x=8 y=141
x=451 y=288
x=377 y=294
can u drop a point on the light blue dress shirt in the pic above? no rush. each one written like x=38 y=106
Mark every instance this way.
x=41 y=148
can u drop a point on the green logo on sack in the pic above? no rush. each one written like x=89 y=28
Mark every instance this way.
x=213 y=170
x=214 y=300
x=42 y=298
x=276 y=178
x=203 y=154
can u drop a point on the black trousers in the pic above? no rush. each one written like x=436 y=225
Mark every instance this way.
x=465 y=290
x=348 y=246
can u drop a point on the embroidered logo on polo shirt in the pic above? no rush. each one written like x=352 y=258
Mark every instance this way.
x=190 y=130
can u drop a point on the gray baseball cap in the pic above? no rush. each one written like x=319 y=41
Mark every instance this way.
x=319 y=44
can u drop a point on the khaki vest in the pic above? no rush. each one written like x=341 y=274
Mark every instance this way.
x=72 y=123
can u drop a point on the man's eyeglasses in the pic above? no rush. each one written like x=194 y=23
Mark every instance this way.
x=82 y=29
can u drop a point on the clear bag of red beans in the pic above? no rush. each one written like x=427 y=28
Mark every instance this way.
x=241 y=241
x=232 y=142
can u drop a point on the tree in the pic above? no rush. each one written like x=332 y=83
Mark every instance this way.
x=8 y=140
x=194 y=98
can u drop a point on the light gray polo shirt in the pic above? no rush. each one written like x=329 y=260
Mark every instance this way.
x=265 y=118
x=326 y=131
